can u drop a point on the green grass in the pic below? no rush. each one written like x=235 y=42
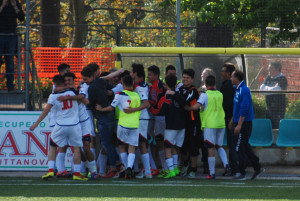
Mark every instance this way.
x=176 y=189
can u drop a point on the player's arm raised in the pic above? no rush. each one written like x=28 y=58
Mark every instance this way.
x=41 y=117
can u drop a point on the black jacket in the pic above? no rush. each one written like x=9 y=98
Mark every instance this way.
x=8 y=18
x=228 y=94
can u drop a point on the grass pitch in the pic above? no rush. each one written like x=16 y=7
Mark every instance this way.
x=142 y=189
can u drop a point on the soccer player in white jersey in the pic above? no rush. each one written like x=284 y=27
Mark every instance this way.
x=142 y=88
x=128 y=124
x=88 y=159
x=66 y=130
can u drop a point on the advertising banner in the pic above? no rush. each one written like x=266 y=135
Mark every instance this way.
x=22 y=149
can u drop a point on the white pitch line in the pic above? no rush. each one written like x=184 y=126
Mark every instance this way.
x=147 y=185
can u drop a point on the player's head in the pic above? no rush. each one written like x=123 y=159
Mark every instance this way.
x=170 y=69
x=95 y=68
x=237 y=77
x=210 y=81
x=275 y=68
x=153 y=73
x=115 y=80
x=171 y=81
x=206 y=72
x=58 y=80
x=188 y=77
x=88 y=75
x=63 y=68
x=127 y=81
x=69 y=78
x=227 y=70
x=126 y=72
x=137 y=71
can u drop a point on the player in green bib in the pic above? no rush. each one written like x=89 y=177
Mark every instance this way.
x=212 y=122
x=127 y=131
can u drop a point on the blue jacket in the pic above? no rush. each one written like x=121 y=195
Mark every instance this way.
x=242 y=103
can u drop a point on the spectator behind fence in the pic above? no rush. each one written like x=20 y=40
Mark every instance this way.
x=10 y=11
x=276 y=103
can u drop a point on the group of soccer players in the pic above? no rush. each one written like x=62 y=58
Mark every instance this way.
x=167 y=112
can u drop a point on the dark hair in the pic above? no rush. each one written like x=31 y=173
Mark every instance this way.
x=229 y=67
x=170 y=67
x=88 y=72
x=62 y=67
x=127 y=80
x=190 y=72
x=276 y=65
x=70 y=74
x=171 y=81
x=154 y=69
x=238 y=74
x=58 y=80
x=126 y=72
x=104 y=74
x=93 y=66
x=138 y=69
x=210 y=81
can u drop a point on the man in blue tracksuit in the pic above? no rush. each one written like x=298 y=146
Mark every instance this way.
x=243 y=114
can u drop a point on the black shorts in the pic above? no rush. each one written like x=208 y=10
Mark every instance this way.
x=192 y=140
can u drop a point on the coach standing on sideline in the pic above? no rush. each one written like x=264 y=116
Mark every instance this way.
x=228 y=94
x=243 y=114
x=10 y=11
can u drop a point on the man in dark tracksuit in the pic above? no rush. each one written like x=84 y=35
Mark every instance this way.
x=243 y=114
x=228 y=94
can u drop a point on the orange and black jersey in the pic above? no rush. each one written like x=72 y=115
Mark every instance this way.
x=171 y=106
x=157 y=91
x=190 y=96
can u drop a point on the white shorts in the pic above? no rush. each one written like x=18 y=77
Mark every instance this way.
x=86 y=128
x=128 y=136
x=143 y=129
x=92 y=122
x=214 y=136
x=159 y=125
x=61 y=135
x=174 y=137
x=151 y=127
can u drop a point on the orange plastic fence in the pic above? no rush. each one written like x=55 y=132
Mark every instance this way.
x=48 y=58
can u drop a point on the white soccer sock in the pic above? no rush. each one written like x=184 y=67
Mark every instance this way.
x=175 y=160
x=102 y=161
x=124 y=159
x=146 y=162
x=163 y=160
x=152 y=162
x=211 y=165
x=51 y=165
x=92 y=166
x=82 y=167
x=131 y=157
x=170 y=163
x=93 y=151
x=223 y=156
x=60 y=158
x=77 y=168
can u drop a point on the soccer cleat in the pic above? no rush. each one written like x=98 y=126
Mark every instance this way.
x=120 y=173
x=257 y=173
x=154 y=172
x=94 y=176
x=227 y=171
x=177 y=171
x=64 y=174
x=162 y=173
x=110 y=174
x=239 y=176
x=84 y=174
x=213 y=176
x=192 y=175
x=184 y=170
x=79 y=178
x=48 y=175
x=140 y=175
x=170 y=174
x=128 y=173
